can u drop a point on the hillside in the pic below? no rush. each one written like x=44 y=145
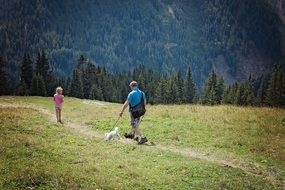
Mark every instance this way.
x=198 y=147
x=237 y=38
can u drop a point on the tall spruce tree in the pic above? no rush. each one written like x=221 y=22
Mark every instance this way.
x=160 y=91
x=210 y=92
x=23 y=89
x=249 y=98
x=239 y=96
x=76 y=85
x=189 y=87
x=96 y=93
x=276 y=89
x=180 y=88
x=38 y=87
x=44 y=72
x=86 y=79
x=39 y=64
x=261 y=94
x=26 y=73
x=34 y=85
x=220 y=89
x=4 y=87
x=225 y=96
x=47 y=74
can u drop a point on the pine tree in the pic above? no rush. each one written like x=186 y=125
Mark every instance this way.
x=34 y=85
x=210 y=92
x=39 y=64
x=180 y=88
x=248 y=94
x=96 y=93
x=239 y=97
x=86 y=78
x=174 y=90
x=189 y=87
x=82 y=63
x=4 y=87
x=220 y=90
x=76 y=85
x=275 y=89
x=26 y=72
x=46 y=73
x=168 y=91
x=160 y=92
x=38 y=87
x=23 y=89
x=261 y=94
x=226 y=99
x=42 y=86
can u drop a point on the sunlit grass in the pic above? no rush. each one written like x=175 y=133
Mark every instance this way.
x=248 y=134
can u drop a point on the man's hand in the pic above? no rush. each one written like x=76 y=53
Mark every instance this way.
x=124 y=107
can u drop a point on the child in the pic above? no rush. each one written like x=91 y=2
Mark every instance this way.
x=58 y=100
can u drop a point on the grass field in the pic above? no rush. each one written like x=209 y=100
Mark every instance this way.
x=197 y=147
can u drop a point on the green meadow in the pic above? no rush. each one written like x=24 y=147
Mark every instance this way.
x=196 y=147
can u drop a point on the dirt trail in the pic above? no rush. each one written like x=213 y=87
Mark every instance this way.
x=249 y=168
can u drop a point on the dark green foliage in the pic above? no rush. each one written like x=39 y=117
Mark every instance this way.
x=261 y=94
x=23 y=89
x=220 y=90
x=239 y=94
x=276 y=88
x=44 y=75
x=211 y=95
x=172 y=91
x=194 y=33
x=4 y=86
x=38 y=87
x=76 y=85
x=189 y=87
x=96 y=93
x=249 y=98
x=26 y=72
x=229 y=95
x=160 y=92
x=42 y=86
x=226 y=98
x=180 y=88
x=239 y=97
x=95 y=82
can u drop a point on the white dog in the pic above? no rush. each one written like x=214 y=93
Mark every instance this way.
x=113 y=134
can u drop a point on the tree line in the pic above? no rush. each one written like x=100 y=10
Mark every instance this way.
x=142 y=32
x=90 y=81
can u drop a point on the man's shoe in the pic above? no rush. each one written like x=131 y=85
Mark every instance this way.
x=136 y=139
x=129 y=136
x=143 y=140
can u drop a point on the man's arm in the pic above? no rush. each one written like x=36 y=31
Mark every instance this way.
x=126 y=104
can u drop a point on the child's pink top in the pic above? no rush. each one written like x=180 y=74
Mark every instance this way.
x=58 y=100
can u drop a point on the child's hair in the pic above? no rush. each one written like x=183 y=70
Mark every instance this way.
x=58 y=89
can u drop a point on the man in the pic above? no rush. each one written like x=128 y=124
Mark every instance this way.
x=134 y=98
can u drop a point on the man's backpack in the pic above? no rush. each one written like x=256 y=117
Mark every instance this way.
x=139 y=109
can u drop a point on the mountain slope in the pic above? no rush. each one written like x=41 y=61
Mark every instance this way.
x=235 y=38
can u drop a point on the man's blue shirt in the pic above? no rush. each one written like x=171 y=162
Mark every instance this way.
x=134 y=97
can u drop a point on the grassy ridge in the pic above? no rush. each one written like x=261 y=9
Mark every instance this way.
x=37 y=153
